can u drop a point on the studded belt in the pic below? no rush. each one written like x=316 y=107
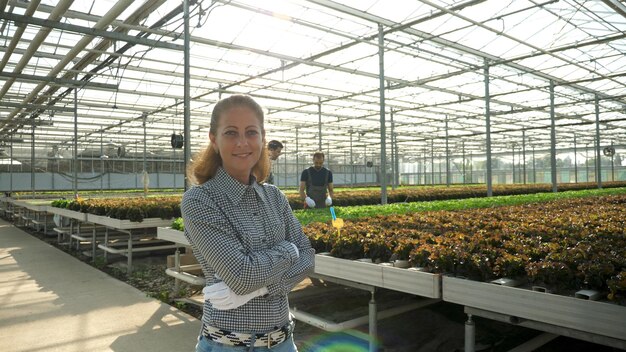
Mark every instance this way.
x=232 y=338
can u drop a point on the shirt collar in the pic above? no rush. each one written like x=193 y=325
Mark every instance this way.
x=236 y=189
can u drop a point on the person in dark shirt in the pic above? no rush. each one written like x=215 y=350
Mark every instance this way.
x=316 y=184
x=275 y=148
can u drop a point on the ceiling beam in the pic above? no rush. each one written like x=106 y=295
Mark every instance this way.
x=72 y=83
x=617 y=6
x=91 y=31
x=36 y=106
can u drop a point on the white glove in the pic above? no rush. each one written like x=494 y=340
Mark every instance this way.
x=223 y=298
x=296 y=249
x=310 y=202
x=329 y=201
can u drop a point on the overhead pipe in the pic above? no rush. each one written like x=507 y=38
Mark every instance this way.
x=109 y=17
x=452 y=9
x=33 y=48
x=139 y=15
x=617 y=6
x=17 y=36
x=134 y=18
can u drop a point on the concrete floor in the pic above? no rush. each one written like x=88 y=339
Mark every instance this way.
x=51 y=301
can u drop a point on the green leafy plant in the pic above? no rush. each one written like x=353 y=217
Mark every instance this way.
x=581 y=246
x=617 y=286
x=178 y=224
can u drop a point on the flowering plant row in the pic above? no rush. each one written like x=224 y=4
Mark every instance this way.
x=134 y=209
x=565 y=244
x=428 y=193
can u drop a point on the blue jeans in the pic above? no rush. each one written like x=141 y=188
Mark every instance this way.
x=206 y=345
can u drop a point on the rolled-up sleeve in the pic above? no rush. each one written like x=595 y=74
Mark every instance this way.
x=214 y=238
x=306 y=261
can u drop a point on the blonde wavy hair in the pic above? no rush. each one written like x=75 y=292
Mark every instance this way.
x=206 y=162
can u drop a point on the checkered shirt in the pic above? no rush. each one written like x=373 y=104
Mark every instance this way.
x=242 y=233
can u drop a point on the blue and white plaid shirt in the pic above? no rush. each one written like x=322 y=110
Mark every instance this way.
x=243 y=234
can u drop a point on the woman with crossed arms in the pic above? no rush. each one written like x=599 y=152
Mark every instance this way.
x=249 y=244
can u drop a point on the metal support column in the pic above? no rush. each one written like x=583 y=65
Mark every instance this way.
x=373 y=319
x=11 y=164
x=470 y=334
x=424 y=166
x=432 y=161
x=447 y=156
x=186 y=94
x=397 y=158
x=552 y=139
x=285 y=176
x=587 y=162
x=144 y=174
x=575 y=161
x=534 y=167
x=297 y=160
x=471 y=167
x=598 y=160
x=488 y=131
x=352 y=181
x=524 y=154
x=440 y=172
x=75 y=171
x=101 y=162
x=383 y=141
x=32 y=160
x=513 y=161
x=319 y=123
x=463 y=151
x=393 y=154
x=612 y=166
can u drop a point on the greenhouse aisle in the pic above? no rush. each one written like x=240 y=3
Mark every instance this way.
x=50 y=301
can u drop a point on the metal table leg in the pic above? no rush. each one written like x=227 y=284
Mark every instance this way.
x=470 y=334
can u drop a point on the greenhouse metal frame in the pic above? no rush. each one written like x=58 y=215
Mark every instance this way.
x=407 y=85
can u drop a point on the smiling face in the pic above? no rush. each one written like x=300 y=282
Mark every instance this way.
x=239 y=139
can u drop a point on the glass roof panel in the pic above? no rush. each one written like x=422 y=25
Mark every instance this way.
x=292 y=55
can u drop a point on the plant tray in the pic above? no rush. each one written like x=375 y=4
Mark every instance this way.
x=403 y=280
x=127 y=224
x=34 y=205
x=169 y=234
x=595 y=317
x=72 y=214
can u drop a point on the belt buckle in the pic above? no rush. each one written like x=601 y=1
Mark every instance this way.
x=269 y=338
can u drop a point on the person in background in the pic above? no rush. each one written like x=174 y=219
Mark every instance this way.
x=248 y=242
x=275 y=148
x=316 y=184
